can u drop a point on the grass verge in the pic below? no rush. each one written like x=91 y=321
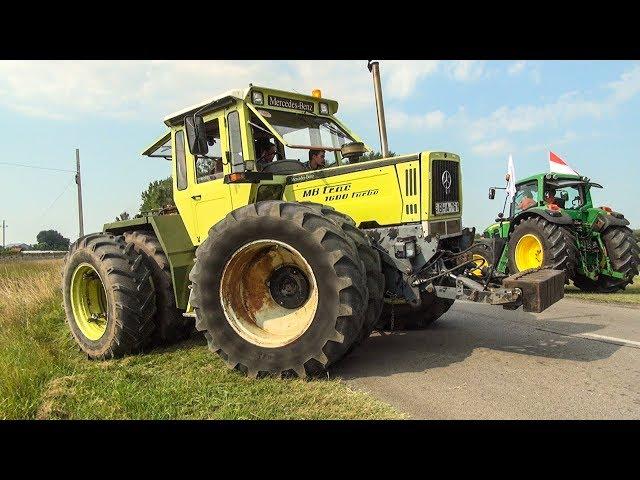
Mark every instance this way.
x=43 y=375
x=630 y=295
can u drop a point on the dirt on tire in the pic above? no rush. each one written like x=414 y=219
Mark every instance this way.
x=334 y=262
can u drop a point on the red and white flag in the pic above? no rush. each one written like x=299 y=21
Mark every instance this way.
x=558 y=165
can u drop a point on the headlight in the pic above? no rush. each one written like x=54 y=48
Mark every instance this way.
x=257 y=98
x=324 y=109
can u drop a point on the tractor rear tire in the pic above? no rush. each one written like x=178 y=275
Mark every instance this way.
x=585 y=283
x=109 y=297
x=171 y=325
x=278 y=290
x=624 y=255
x=406 y=317
x=372 y=265
x=536 y=242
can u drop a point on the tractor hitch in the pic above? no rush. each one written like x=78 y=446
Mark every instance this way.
x=535 y=290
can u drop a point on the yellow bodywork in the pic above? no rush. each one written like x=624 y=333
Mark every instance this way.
x=388 y=191
x=382 y=192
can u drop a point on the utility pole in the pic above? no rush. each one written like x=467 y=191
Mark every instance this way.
x=4 y=226
x=79 y=183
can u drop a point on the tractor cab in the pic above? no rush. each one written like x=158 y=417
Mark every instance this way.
x=571 y=193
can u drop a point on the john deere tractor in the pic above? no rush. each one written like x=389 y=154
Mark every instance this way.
x=552 y=222
x=284 y=269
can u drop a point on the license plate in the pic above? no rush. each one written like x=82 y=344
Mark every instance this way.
x=447 y=207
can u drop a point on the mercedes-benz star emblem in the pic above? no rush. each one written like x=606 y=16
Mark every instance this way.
x=446 y=181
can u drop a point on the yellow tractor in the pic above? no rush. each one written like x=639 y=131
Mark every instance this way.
x=284 y=267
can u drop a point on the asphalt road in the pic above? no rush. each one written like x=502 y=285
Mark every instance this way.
x=576 y=360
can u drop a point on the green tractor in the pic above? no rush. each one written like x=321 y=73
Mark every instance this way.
x=552 y=223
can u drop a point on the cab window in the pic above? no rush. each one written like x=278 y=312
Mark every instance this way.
x=210 y=167
x=525 y=198
x=235 y=142
x=570 y=197
x=181 y=162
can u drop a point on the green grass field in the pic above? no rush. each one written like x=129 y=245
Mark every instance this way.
x=44 y=375
x=630 y=295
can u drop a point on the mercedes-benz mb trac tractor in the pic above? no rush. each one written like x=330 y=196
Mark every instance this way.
x=552 y=222
x=284 y=269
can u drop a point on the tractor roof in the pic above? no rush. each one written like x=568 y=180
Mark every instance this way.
x=231 y=96
x=563 y=176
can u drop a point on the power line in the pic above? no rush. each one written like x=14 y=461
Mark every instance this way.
x=39 y=168
x=56 y=199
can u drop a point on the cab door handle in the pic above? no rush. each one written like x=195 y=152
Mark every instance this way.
x=196 y=197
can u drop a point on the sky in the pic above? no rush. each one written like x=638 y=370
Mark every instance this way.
x=585 y=111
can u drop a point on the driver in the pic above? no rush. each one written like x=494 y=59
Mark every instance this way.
x=316 y=160
x=527 y=201
x=266 y=153
x=550 y=197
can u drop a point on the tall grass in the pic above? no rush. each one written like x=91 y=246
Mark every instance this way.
x=25 y=286
x=43 y=375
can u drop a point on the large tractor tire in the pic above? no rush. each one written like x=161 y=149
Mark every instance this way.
x=278 y=289
x=624 y=255
x=536 y=242
x=585 y=283
x=171 y=325
x=483 y=255
x=403 y=316
x=109 y=297
x=372 y=265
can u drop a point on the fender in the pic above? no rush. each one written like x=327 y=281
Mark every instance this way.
x=175 y=241
x=604 y=221
x=560 y=218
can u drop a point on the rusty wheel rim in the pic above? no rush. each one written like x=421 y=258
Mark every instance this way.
x=269 y=293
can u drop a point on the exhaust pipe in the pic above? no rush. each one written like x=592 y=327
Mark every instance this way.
x=374 y=68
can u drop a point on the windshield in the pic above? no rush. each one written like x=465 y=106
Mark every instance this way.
x=305 y=131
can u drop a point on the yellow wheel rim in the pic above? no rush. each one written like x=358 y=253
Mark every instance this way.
x=529 y=252
x=268 y=293
x=480 y=262
x=89 y=302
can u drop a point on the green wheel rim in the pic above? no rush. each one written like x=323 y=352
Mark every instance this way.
x=89 y=302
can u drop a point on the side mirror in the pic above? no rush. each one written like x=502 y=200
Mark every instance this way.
x=196 y=136
x=492 y=193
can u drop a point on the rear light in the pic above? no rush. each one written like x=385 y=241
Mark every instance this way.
x=606 y=209
x=553 y=207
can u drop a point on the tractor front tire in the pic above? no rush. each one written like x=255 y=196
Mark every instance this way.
x=278 y=289
x=109 y=297
x=171 y=325
x=535 y=242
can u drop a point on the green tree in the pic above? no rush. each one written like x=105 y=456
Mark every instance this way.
x=374 y=156
x=51 y=240
x=123 y=216
x=159 y=194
